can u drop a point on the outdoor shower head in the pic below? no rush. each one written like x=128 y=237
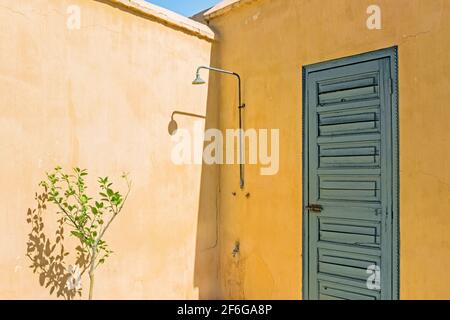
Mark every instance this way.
x=198 y=79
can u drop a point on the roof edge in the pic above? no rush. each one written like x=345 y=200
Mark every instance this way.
x=165 y=17
x=224 y=7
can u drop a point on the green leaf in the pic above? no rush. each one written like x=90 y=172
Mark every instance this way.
x=99 y=205
x=116 y=200
x=103 y=180
x=84 y=199
x=77 y=234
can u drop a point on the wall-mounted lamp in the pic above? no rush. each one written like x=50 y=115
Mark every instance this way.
x=197 y=81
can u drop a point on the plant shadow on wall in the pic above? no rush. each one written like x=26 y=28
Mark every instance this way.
x=48 y=256
x=88 y=220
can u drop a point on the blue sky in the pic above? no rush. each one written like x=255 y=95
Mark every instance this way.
x=185 y=7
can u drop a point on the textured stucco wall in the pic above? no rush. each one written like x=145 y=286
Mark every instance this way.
x=101 y=98
x=267 y=42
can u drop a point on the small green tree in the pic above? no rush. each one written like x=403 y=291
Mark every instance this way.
x=88 y=218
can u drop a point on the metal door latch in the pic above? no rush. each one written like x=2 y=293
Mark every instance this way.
x=314 y=208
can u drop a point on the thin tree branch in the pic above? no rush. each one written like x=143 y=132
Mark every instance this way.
x=115 y=213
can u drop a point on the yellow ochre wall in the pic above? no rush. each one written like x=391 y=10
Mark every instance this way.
x=268 y=42
x=101 y=98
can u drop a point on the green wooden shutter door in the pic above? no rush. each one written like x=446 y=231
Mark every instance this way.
x=350 y=176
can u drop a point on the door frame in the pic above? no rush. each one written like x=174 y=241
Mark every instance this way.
x=392 y=54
